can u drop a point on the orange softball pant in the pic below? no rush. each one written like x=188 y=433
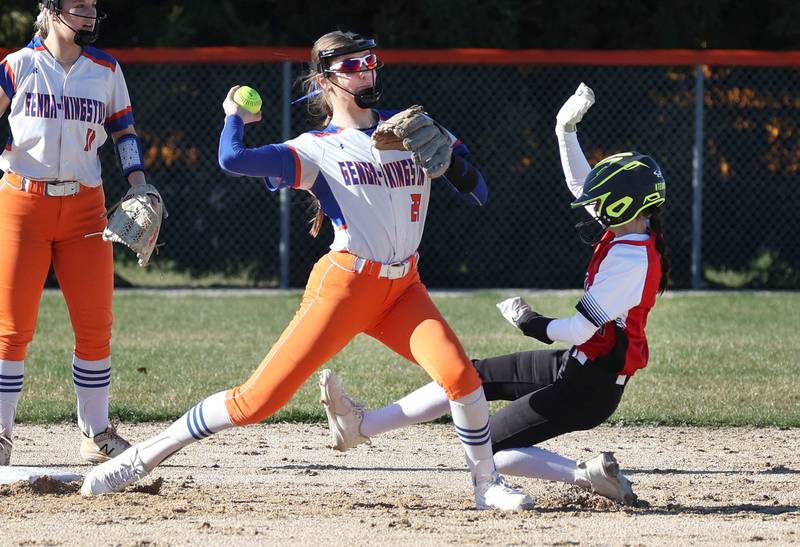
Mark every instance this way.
x=36 y=230
x=339 y=303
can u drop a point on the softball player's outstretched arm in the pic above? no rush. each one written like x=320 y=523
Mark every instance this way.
x=573 y=161
x=618 y=286
x=235 y=157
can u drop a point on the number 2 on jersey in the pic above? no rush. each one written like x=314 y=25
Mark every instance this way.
x=415 y=200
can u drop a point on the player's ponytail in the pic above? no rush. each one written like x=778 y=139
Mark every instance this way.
x=657 y=229
x=318 y=218
x=42 y=23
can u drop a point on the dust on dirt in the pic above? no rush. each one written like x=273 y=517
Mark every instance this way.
x=279 y=483
x=42 y=485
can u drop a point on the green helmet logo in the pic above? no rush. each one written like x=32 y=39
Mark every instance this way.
x=621 y=186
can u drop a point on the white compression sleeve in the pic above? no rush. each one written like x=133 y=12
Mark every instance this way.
x=573 y=162
x=423 y=405
x=575 y=329
x=536 y=463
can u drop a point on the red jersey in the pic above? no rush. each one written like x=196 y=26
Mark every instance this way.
x=630 y=269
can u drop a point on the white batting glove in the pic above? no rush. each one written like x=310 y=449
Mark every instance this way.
x=515 y=310
x=572 y=111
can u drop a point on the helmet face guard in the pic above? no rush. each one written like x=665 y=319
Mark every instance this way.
x=365 y=98
x=621 y=186
x=82 y=37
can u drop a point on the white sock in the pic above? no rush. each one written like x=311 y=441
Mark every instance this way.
x=92 y=380
x=12 y=374
x=536 y=463
x=423 y=405
x=207 y=417
x=471 y=418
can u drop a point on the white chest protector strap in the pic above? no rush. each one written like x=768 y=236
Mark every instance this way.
x=129 y=153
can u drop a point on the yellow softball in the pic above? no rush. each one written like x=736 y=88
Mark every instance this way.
x=248 y=98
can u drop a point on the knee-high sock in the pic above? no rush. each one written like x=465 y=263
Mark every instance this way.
x=92 y=380
x=12 y=374
x=471 y=418
x=423 y=405
x=536 y=463
x=207 y=417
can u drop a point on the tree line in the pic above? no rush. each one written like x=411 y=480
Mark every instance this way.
x=509 y=24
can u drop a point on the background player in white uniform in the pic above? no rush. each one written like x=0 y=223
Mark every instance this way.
x=558 y=391
x=63 y=98
x=377 y=202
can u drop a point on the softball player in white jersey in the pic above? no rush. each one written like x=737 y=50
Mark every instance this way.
x=63 y=99
x=377 y=202
x=558 y=391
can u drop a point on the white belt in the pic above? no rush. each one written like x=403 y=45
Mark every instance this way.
x=582 y=358
x=389 y=271
x=579 y=356
x=54 y=189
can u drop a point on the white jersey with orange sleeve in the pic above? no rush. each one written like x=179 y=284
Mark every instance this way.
x=376 y=199
x=59 y=119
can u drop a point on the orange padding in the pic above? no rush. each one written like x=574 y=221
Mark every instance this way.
x=465 y=56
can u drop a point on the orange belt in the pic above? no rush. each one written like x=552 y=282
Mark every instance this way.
x=52 y=188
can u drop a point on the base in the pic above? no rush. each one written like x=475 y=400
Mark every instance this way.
x=10 y=474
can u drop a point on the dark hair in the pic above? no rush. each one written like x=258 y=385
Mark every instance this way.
x=657 y=229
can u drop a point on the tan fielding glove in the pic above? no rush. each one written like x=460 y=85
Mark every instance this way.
x=135 y=221
x=413 y=130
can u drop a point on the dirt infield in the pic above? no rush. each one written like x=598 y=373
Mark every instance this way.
x=271 y=484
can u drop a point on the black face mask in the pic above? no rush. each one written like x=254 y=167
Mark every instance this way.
x=590 y=231
x=369 y=97
x=85 y=37
x=366 y=98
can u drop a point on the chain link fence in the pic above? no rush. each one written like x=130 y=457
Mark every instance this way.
x=750 y=171
x=228 y=229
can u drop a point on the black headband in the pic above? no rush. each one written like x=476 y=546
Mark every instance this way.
x=325 y=54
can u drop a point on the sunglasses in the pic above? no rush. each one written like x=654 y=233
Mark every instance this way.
x=356 y=64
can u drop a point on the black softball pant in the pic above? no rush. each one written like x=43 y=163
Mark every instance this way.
x=552 y=393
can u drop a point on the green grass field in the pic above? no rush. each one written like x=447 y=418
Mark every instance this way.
x=716 y=358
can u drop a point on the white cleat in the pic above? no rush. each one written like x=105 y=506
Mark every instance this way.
x=344 y=415
x=601 y=475
x=496 y=494
x=115 y=474
x=5 y=450
x=103 y=446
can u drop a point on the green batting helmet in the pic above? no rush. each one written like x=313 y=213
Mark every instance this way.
x=621 y=186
